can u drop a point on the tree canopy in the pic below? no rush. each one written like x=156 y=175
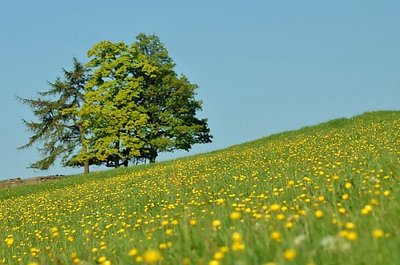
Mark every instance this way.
x=132 y=106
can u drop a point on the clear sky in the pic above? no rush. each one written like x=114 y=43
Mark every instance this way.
x=262 y=66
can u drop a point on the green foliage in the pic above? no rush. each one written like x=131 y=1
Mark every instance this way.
x=136 y=105
x=57 y=127
x=132 y=106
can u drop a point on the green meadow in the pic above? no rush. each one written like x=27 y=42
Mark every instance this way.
x=326 y=194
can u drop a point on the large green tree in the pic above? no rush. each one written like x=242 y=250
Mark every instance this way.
x=136 y=105
x=58 y=129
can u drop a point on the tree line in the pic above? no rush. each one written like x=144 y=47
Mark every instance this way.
x=126 y=104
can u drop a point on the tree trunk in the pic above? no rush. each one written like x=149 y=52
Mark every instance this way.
x=153 y=156
x=116 y=161
x=86 y=166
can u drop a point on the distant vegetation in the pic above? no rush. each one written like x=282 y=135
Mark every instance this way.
x=126 y=104
x=327 y=194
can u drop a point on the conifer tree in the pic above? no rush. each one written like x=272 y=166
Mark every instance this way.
x=58 y=128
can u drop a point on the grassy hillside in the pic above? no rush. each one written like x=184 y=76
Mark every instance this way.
x=327 y=194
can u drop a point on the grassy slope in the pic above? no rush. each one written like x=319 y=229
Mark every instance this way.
x=347 y=168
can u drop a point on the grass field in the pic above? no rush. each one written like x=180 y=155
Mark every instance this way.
x=327 y=194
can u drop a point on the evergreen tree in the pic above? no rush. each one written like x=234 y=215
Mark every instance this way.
x=58 y=128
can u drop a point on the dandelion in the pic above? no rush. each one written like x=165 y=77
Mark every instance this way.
x=289 y=254
x=216 y=224
x=275 y=207
x=133 y=252
x=319 y=214
x=378 y=233
x=9 y=240
x=152 y=256
x=277 y=236
x=235 y=215
x=351 y=235
x=218 y=255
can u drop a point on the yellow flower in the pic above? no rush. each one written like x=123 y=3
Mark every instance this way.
x=289 y=254
x=275 y=207
x=351 y=235
x=101 y=259
x=277 y=236
x=235 y=215
x=224 y=249
x=218 y=255
x=163 y=246
x=319 y=214
x=377 y=233
x=237 y=245
x=216 y=224
x=152 y=256
x=133 y=252
x=280 y=216
x=9 y=240
x=350 y=225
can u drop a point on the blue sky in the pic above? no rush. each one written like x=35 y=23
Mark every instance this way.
x=262 y=66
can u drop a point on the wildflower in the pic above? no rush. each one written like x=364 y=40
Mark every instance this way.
x=224 y=249
x=220 y=201
x=366 y=209
x=319 y=214
x=275 y=207
x=218 y=255
x=133 y=252
x=216 y=224
x=237 y=245
x=54 y=231
x=277 y=236
x=236 y=237
x=280 y=216
x=235 y=215
x=351 y=235
x=74 y=258
x=152 y=256
x=9 y=240
x=350 y=225
x=377 y=233
x=289 y=254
